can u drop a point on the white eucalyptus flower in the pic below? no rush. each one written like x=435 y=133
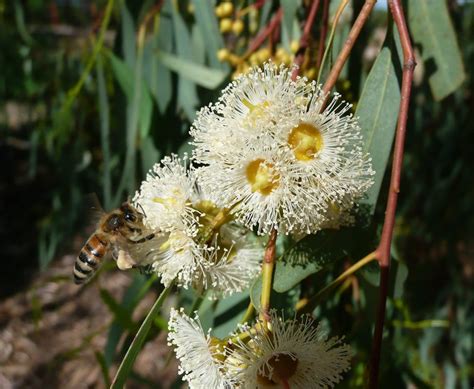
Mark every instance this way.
x=190 y=253
x=326 y=149
x=166 y=196
x=255 y=104
x=258 y=184
x=291 y=164
x=200 y=358
x=293 y=354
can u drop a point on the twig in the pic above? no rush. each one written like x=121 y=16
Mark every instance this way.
x=308 y=305
x=335 y=22
x=258 y=41
x=383 y=249
x=304 y=40
x=349 y=43
x=323 y=34
x=267 y=276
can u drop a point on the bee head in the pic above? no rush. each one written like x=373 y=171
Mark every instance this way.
x=114 y=222
x=129 y=213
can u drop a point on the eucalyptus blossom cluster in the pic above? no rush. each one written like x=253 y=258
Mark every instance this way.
x=273 y=153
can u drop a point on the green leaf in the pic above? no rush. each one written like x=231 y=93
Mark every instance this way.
x=121 y=314
x=315 y=252
x=377 y=111
x=187 y=94
x=128 y=36
x=104 y=115
x=156 y=75
x=207 y=24
x=145 y=111
x=228 y=313
x=281 y=301
x=103 y=367
x=433 y=31
x=123 y=74
x=150 y=154
x=132 y=297
x=201 y=75
x=127 y=363
x=289 y=13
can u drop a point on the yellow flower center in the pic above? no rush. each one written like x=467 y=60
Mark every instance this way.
x=284 y=367
x=256 y=111
x=262 y=176
x=306 y=141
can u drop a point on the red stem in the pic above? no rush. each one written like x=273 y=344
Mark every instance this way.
x=348 y=45
x=304 y=40
x=324 y=32
x=258 y=41
x=383 y=250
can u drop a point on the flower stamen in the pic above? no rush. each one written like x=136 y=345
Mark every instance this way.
x=306 y=141
x=262 y=176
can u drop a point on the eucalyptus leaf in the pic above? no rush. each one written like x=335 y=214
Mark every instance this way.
x=377 y=111
x=127 y=362
x=209 y=28
x=433 y=31
x=229 y=311
x=187 y=95
x=201 y=75
x=289 y=14
x=308 y=256
x=128 y=35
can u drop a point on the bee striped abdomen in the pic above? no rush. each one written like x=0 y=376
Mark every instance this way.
x=89 y=258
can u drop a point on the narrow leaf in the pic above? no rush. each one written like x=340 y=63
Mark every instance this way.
x=201 y=75
x=377 y=111
x=103 y=367
x=433 y=31
x=137 y=343
x=310 y=255
x=187 y=94
x=120 y=313
x=207 y=24
x=128 y=35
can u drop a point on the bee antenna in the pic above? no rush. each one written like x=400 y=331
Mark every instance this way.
x=141 y=207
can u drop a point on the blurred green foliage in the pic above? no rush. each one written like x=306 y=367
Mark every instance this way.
x=94 y=93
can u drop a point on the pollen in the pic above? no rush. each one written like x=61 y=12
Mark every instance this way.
x=256 y=111
x=306 y=141
x=262 y=176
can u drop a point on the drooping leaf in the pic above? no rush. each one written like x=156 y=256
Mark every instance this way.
x=156 y=75
x=187 y=94
x=310 y=255
x=208 y=26
x=127 y=363
x=289 y=13
x=121 y=314
x=128 y=35
x=228 y=313
x=377 y=111
x=201 y=75
x=433 y=31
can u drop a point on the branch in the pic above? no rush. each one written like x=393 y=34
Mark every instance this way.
x=258 y=41
x=304 y=40
x=267 y=276
x=383 y=250
x=324 y=32
x=348 y=45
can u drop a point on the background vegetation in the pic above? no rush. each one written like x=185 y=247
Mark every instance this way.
x=93 y=93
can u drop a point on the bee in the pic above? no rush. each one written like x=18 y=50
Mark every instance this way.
x=121 y=234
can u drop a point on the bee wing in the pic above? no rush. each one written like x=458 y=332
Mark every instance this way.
x=93 y=208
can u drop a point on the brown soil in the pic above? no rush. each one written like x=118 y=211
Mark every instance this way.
x=49 y=334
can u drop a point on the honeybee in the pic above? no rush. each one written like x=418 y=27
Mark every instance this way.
x=120 y=234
